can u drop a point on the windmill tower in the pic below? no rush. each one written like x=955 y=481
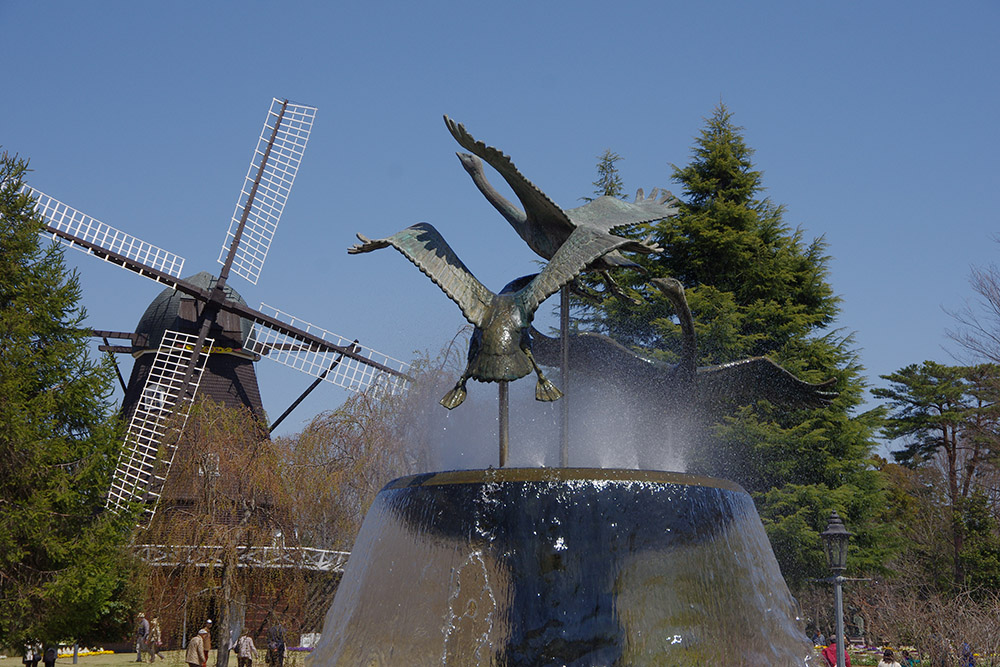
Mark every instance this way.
x=200 y=332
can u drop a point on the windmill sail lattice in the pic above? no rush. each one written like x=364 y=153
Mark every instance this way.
x=169 y=384
x=166 y=401
x=346 y=372
x=67 y=219
x=269 y=180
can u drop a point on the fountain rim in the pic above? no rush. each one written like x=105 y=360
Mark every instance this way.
x=513 y=475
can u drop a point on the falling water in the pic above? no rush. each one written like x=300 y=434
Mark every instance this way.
x=609 y=428
x=562 y=567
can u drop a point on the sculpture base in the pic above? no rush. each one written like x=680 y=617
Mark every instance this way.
x=556 y=566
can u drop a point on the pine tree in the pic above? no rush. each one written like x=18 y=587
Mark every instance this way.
x=946 y=418
x=756 y=287
x=61 y=568
x=609 y=181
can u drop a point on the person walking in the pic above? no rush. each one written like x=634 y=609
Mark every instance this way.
x=830 y=653
x=141 y=633
x=196 y=656
x=245 y=651
x=155 y=639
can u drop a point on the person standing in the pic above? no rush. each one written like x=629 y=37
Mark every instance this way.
x=206 y=639
x=196 y=656
x=155 y=639
x=276 y=645
x=245 y=651
x=32 y=653
x=888 y=659
x=49 y=659
x=830 y=653
x=141 y=633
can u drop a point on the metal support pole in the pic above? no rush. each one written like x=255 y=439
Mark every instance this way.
x=76 y=652
x=564 y=376
x=838 y=603
x=504 y=423
x=336 y=361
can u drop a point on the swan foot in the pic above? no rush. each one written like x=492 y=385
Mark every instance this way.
x=546 y=391
x=455 y=397
x=586 y=294
x=616 y=289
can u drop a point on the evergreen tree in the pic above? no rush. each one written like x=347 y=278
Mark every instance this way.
x=61 y=568
x=609 y=182
x=947 y=417
x=756 y=287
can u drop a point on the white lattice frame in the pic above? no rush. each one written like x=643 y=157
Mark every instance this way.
x=157 y=422
x=71 y=221
x=348 y=372
x=275 y=183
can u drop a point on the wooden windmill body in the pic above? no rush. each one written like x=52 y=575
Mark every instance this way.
x=229 y=377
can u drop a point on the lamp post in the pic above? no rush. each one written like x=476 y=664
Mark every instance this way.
x=835 y=539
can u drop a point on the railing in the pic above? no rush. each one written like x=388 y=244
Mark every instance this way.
x=171 y=555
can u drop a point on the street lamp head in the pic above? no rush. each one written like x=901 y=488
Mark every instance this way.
x=835 y=539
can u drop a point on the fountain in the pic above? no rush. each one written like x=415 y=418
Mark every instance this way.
x=553 y=566
x=562 y=566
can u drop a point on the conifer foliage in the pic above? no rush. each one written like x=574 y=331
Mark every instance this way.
x=946 y=420
x=61 y=571
x=758 y=288
x=609 y=182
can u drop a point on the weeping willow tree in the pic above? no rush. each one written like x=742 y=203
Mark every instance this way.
x=335 y=467
x=222 y=544
x=240 y=513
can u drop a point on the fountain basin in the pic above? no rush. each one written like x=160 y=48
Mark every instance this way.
x=562 y=566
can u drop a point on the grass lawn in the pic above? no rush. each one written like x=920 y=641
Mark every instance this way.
x=170 y=659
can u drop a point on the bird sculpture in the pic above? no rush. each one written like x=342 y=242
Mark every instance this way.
x=544 y=226
x=500 y=347
x=708 y=388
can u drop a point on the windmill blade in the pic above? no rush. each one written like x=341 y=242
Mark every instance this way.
x=288 y=336
x=79 y=230
x=360 y=368
x=269 y=179
x=157 y=423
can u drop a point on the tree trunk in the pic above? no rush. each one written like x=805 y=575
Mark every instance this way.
x=222 y=650
x=951 y=450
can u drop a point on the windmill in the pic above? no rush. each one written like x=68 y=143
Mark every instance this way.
x=197 y=313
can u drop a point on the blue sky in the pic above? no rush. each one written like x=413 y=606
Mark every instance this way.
x=874 y=124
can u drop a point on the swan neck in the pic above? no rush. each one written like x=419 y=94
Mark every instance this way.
x=511 y=213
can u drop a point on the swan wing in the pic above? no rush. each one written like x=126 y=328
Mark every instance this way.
x=426 y=248
x=540 y=210
x=597 y=355
x=610 y=213
x=748 y=380
x=582 y=247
